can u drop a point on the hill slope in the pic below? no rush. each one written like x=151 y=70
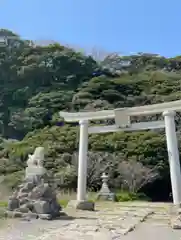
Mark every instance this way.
x=38 y=81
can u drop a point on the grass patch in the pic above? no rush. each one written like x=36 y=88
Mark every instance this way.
x=3 y=204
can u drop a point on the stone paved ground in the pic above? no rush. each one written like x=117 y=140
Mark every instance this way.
x=128 y=221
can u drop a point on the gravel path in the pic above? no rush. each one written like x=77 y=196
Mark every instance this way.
x=110 y=221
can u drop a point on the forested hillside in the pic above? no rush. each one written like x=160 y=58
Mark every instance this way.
x=36 y=82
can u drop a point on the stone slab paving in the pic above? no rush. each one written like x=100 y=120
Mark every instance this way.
x=109 y=221
x=150 y=232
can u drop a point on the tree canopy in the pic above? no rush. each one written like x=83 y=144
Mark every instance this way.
x=36 y=82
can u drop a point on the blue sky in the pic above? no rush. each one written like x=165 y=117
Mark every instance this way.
x=111 y=25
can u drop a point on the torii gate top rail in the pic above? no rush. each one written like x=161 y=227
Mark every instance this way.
x=133 y=111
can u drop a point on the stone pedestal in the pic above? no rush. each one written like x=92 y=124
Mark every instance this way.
x=81 y=205
x=34 y=198
x=105 y=194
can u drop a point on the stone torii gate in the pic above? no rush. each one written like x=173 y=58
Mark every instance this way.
x=123 y=123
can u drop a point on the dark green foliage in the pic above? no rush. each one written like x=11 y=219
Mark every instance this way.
x=37 y=82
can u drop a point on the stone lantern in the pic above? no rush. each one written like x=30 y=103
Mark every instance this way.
x=105 y=194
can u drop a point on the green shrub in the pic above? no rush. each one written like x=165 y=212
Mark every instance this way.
x=127 y=196
x=63 y=203
x=3 y=204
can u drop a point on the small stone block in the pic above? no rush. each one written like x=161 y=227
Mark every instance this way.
x=13 y=204
x=82 y=205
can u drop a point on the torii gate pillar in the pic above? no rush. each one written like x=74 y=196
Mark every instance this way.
x=173 y=155
x=82 y=203
x=82 y=164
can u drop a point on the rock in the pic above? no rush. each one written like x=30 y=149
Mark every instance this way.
x=176 y=223
x=47 y=192
x=22 y=195
x=17 y=214
x=28 y=186
x=42 y=207
x=15 y=194
x=23 y=201
x=45 y=216
x=30 y=206
x=13 y=204
x=36 y=193
x=23 y=209
x=81 y=205
x=55 y=207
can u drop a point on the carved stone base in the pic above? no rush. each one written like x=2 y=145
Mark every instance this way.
x=106 y=197
x=81 y=205
x=30 y=199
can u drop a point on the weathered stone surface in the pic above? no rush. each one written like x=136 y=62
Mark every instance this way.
x=28 y=186
x=54 y=206
x=13 y=204
x=30 y=206
x=36 y=193
x=42 y=207
x=47 y=192
x=22 y=195
x=81 y=205
x=23 y=209
x=23 y=201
